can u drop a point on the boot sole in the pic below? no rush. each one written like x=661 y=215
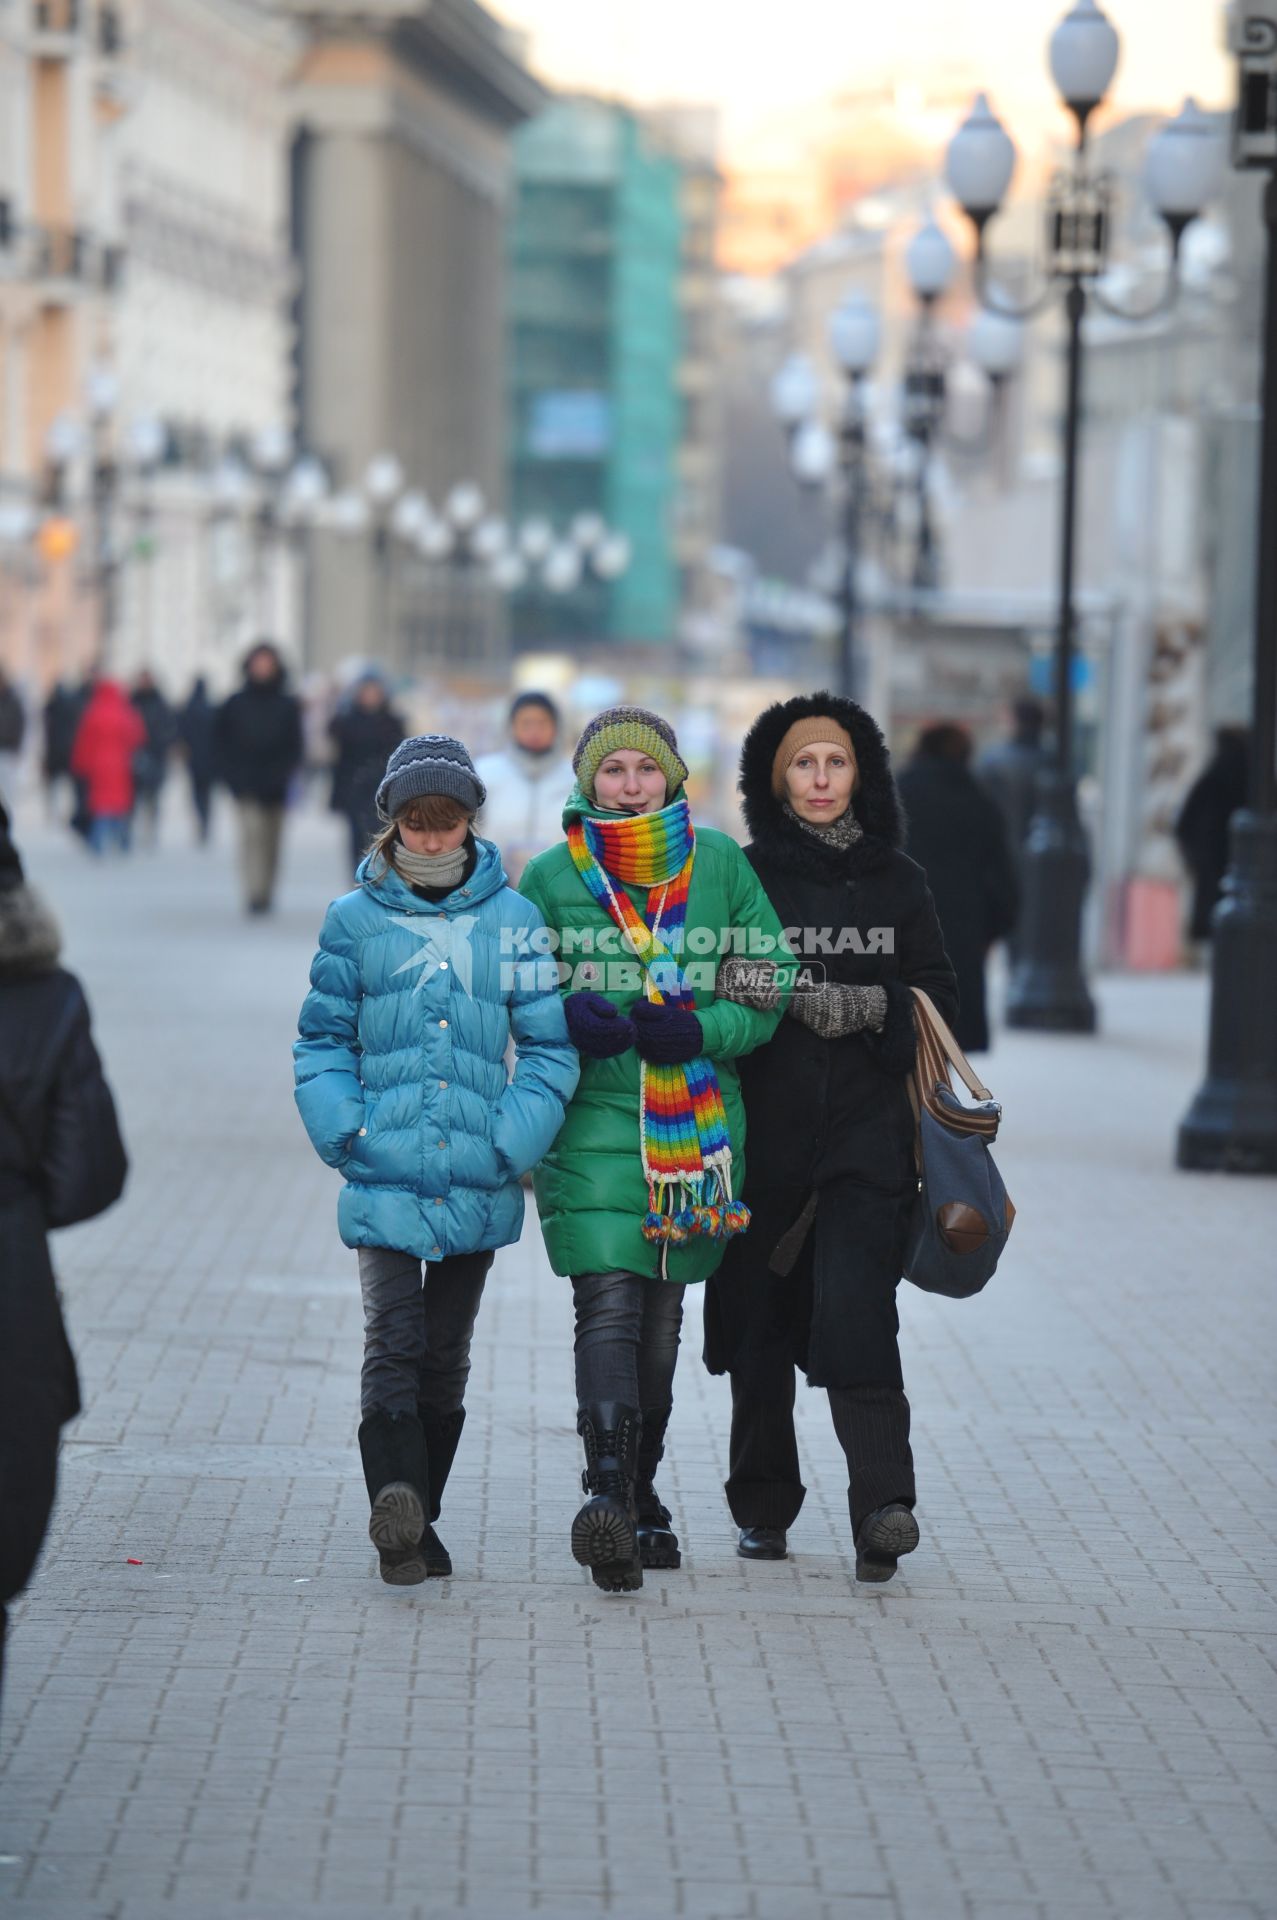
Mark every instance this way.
x=603 y=1539
x=659 y=1552
x=398 y=1518
x=883 y=1542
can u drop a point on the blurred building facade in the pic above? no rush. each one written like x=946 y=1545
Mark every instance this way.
x=145 y=333
x=402 y=185
x=597 y=344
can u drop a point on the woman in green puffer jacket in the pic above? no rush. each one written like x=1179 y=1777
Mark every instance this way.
x=639 y=1194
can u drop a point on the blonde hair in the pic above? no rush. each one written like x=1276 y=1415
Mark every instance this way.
x=437 y=811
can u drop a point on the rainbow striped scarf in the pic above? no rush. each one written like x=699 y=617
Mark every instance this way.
x=684 y=1141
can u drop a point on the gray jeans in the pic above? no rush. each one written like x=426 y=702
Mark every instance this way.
x=627 y=1331
x=417 y=1329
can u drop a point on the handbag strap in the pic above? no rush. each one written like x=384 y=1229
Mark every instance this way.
x=952 y=1051
x=937 y=1051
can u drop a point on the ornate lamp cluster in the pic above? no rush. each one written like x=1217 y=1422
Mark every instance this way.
x=879 y=470
x=1183 y=165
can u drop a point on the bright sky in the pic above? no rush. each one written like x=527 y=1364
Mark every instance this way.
x=754 y=60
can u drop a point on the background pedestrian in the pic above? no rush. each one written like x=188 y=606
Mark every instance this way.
x=365 y=732
x=13 y=727
x=110 y=735
x=63 y=712
x=258 y=748
x=151 y=761
x=956 y=833
x=528 y=782
x=195 y=730
x=1202 y=826
x=1010 y=771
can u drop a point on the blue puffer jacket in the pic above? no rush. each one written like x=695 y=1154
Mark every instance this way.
x=400 y=1068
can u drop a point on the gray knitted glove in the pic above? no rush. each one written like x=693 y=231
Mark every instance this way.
x=832 y=1011
x=750 y=983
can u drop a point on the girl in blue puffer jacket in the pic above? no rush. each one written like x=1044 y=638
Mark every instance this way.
x=423 y=975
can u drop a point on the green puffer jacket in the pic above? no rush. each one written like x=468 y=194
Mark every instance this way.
x=590 y=1189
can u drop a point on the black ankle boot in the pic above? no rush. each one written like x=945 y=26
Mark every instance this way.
x=393 y=1449
x=443 y=1432
x=658 y=1542
x=604 y=1533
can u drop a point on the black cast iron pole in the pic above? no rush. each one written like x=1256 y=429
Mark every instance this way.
x=853 y=446
x=1048 y=988
x=1232 y=1122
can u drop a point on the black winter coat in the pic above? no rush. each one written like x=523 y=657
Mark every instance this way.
x=196 y=725
x=258 y=740
x=61 y=1161
x=365 y=741
x=150 y=762
x=956 y=833
x=831 y=1117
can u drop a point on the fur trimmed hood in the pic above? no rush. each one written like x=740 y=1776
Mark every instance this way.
x=875 y=803
x=30 y=940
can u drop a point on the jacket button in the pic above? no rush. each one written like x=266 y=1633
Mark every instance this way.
x=438 y=1201
x=443 y=966
x=436 y=1250
x=362 y=1132
x=443 y=1083
x=442 y=1144
x=443 y=1023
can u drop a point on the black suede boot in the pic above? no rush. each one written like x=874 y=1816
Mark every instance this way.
x=658 y=1542
x=393 y=1449
x=604 y=1533
x=443 y=1432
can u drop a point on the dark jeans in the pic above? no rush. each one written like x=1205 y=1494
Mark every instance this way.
x=627 y=1331
x=764 y=1486
x=417 y=1329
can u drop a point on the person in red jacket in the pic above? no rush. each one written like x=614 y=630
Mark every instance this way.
x=110 y=733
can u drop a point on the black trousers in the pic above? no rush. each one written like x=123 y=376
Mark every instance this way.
x=764 y=1485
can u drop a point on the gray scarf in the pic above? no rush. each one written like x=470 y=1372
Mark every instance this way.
x=842 y=832
x=437 y=870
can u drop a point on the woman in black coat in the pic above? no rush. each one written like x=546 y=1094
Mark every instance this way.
x=61 y=1160
x=831 y=1178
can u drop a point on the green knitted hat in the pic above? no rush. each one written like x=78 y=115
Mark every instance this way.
x=617 y=728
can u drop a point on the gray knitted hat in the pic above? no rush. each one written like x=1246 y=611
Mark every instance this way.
x=429 y=763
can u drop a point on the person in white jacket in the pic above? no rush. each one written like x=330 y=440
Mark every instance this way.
x=528 y=782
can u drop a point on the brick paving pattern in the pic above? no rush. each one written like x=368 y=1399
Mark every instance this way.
x=1062 y=1707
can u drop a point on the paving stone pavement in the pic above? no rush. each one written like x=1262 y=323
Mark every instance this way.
x=1062 y=1707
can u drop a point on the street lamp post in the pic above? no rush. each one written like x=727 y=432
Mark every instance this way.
x=1048 y=988
x=929 y=262
x=1232 y=1122
x=103 y=396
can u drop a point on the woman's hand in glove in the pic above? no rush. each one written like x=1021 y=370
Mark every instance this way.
x=666 y=1035
x=595 y=1027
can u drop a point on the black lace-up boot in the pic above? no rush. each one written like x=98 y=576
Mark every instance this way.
x=604 y=1533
